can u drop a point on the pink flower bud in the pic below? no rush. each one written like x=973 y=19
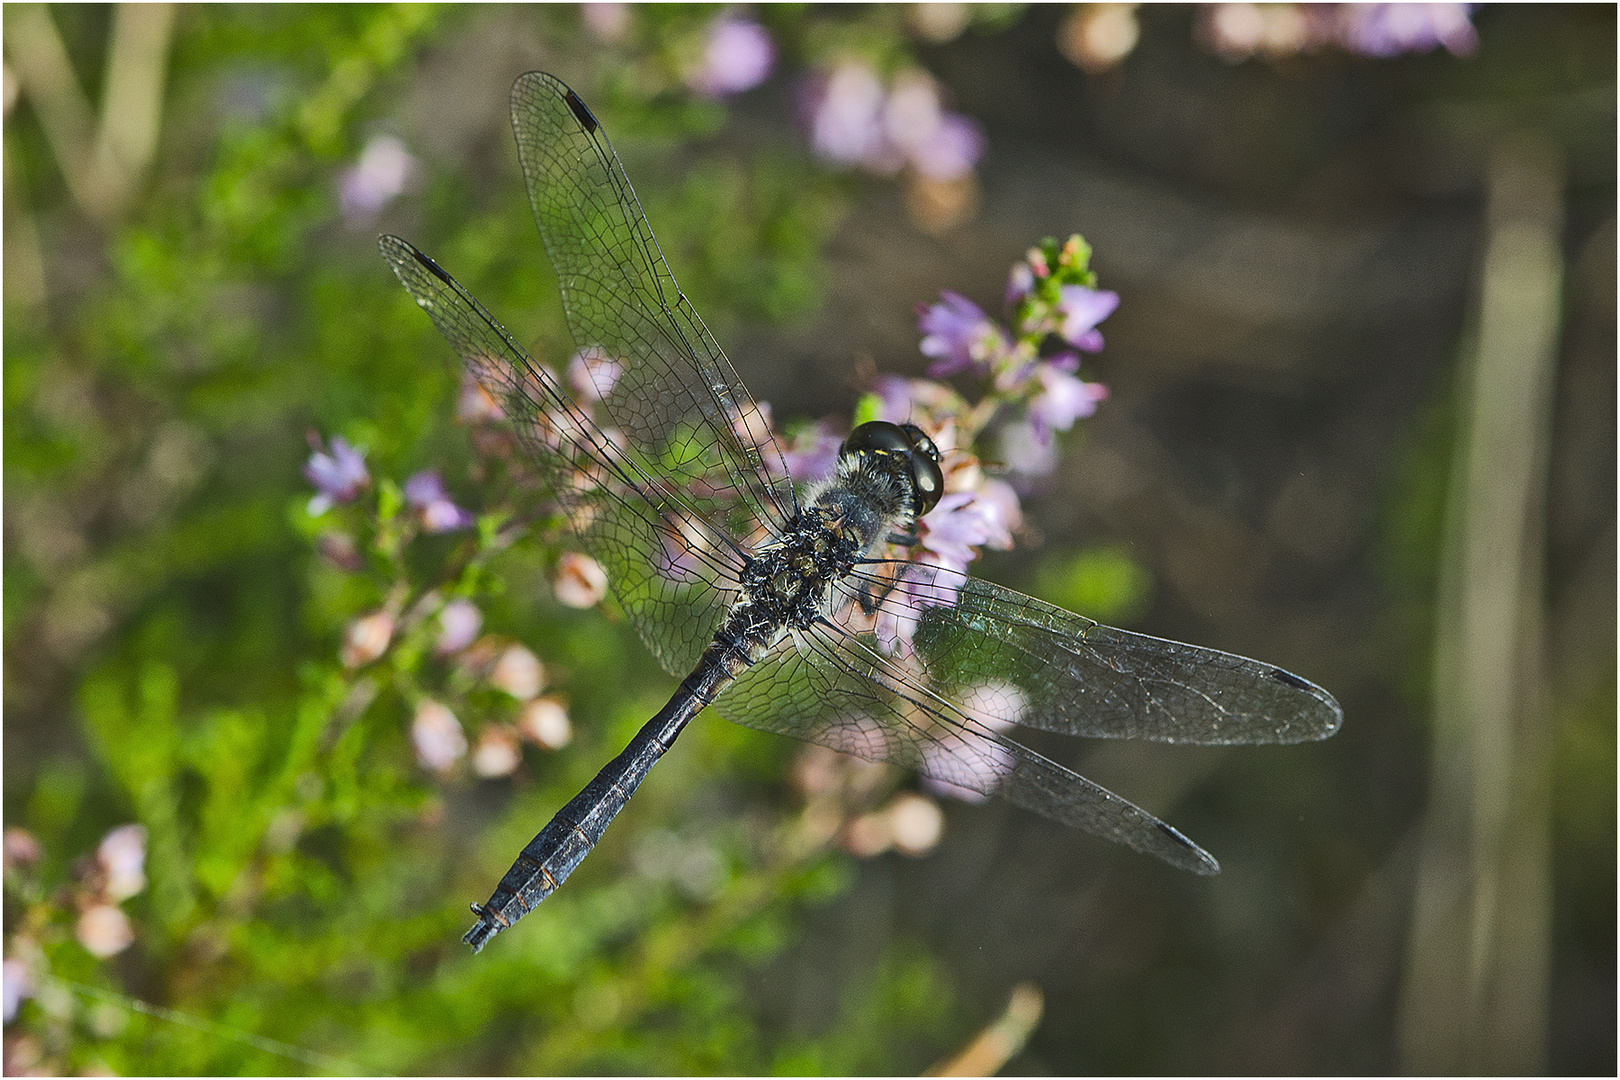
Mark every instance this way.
x=497 y=753
x=104 y=930
x=437 y=736
x=367 y=638
x=915 y=823
x=545 y=723
x=580 y=581
x=518 y=672
x=122 y=855
x=459 y=622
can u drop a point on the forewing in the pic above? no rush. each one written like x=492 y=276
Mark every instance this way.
x=1079 y=677
x=676 y=398
x=674 y=574
x=840 y=690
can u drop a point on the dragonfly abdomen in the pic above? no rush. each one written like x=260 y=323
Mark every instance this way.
x=569 y=836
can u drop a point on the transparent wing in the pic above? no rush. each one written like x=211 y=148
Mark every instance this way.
x=1079 y=677
x=838 y=689
x=927 y=668
x=668 y=555
x=674 y=396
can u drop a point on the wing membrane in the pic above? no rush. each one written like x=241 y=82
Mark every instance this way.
x=676 y=398
x=1079 y=677
x=670 y=568
x=839 y=690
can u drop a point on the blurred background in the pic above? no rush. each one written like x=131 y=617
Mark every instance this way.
x=1360 y=424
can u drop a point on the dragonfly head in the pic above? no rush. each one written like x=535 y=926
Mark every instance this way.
x=910 y=443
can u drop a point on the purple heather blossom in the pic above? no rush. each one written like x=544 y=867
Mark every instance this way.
x=1020 y=283
x=437 y=737
x=958 y=335
x=1062 y=399
x=459 y=623
x=894 y=398
x=122 y=855
x=912 y=113
x=18 y=983
x=1081 y=309
x=846 y=120
x=593 y=374
x=337 y=477
x=384 y=170
x=855 y=121
x=813 y=453
x=1385 y=30
x=738 y=57
x=962 y=521
x=1026 y=452
x=951 y=152
x=425 y=493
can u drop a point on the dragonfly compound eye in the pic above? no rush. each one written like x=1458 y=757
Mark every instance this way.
x=880 y=436
x=912 y=443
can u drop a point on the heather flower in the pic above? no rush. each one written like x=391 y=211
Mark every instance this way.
x=893 y=398
x=518 y=672
x=846 y=120
x=912 y=110
x=436 y=736
x=952 y=150
x=544 y=722
x=459 y=623
x=607 y=21
x=916 y=824
x=737 y=57
x=425 y=493
x=122 y=855
x=367 y=638
x=813 y=453
x=958 y=335
x=961 y=522
x=1079 y=310
x=1385 y=30
x=18 y=982
x=384 y=170
x=1020 y=283
x=1062 y=399
x=21 y=848
x=497 y=753
x=580 y=582
x=337 y=477
x=1026 y=451
x=593 y=374
x=104 y=930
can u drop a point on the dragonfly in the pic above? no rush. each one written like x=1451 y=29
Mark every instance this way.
x=793 y=609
